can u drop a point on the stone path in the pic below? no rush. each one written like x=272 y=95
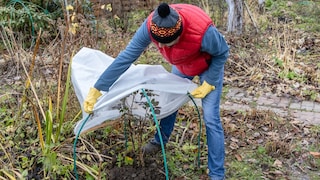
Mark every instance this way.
x=307 y=112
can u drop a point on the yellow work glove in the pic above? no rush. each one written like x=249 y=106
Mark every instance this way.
x=91 y=100
x=202 y=90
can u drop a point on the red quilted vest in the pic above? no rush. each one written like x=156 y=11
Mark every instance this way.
x=186 y=54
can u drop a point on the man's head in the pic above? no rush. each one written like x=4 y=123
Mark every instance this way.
x=166 y=24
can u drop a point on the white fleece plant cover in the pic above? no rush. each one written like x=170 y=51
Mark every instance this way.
x=169 y=90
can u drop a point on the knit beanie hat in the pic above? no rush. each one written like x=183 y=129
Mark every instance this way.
x=166 y=24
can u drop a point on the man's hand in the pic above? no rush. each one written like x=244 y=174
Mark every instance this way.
x=91 y=100
x=202 y=90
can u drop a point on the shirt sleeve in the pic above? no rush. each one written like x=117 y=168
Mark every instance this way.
x=123 y=61
x=215 y=44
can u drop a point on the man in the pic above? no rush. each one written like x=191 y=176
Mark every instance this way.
x=186 y=37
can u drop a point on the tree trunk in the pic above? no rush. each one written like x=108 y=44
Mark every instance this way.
x=235 y=16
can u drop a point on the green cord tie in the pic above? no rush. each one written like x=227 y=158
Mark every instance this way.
x=75 y=147
x=159 y=132
x=13 y=2
x=200 y=122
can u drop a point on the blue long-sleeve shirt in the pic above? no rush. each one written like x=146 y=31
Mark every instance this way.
x=213 y=43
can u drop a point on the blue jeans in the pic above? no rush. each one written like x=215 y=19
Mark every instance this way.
x=214 y=130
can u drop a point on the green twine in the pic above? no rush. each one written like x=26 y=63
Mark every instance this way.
x=200 y=122
x=13 y=2
x=159 y=132
x=75 y=147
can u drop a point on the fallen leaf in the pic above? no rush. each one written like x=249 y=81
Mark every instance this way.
x=277 y=163
x=234 y=139
x=315 y=154
x=233 y=145
x=238 y=156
